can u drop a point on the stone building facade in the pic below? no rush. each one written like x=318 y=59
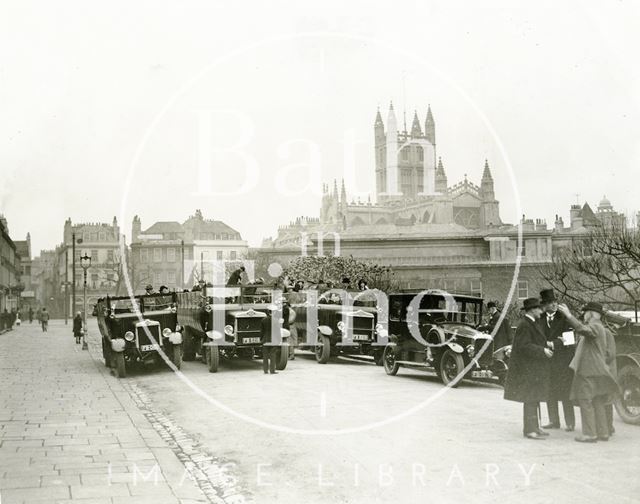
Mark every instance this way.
x=10 y=286
x=179 y=254
x=451 y=237
x=101 y=242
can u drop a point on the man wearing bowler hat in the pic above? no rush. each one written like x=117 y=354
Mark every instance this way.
x=554 y=324
x=593 y=383
x=528 y=376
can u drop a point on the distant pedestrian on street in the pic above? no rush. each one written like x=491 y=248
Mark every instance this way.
x=77 y=327
x=269 y=350
x=30 y=315
x=528 y=376
x=554 y=324
x=593 y=384
x=44 y=319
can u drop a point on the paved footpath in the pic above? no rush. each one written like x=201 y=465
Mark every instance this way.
x=71 y=433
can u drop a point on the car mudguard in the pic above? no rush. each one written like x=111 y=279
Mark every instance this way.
x=118 y=345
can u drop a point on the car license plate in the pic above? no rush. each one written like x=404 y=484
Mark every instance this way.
x=251 y=340
x=360 y=337
x=485 y=373
x=148 y=348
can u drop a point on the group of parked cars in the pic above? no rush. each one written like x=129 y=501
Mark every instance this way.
x=429 y=330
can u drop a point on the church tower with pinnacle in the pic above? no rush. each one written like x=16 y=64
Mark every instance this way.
x=405 y=160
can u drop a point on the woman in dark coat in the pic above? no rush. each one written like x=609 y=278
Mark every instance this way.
x=77 y=327
x=528 y=376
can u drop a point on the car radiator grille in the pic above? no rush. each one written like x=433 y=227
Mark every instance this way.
x=143 y=335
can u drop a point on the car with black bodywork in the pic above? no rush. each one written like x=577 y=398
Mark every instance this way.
x=226 y=322
x=138 y=329
x=626 y=329
x=334 y=322
x=438 y=331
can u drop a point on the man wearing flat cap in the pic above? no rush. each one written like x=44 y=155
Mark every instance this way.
x=528 y=376
x=593 y=382
x=554 y=324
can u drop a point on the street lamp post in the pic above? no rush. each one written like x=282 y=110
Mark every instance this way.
x=85 y=262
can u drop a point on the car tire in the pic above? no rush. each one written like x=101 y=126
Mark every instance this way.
x=106 y=353
x=121 y=370
x=323 y=349
x=213 y=358
x=283 y=358
x=450 y=365
x=188 y=350
x=629 y=380
x=176 y=356
x=389 y=363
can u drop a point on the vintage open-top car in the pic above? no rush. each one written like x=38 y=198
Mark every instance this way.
x=226 y=322
x=341 y=323
x=136 y=329
x=626 y=328
x=438 y=331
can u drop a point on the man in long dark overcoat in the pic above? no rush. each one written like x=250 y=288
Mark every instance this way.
x=593 y=382
x=554 y=324
x=502 y=335
x=528 y=376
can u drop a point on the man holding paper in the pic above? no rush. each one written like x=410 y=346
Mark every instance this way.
x=593 y=382
x=561 y=339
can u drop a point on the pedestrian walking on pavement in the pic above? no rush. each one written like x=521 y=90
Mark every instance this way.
x=528 y=376
x=30 y=315
x=593 y=382
x=554 y=324
x=269 y=350
x=77 y=327
x=44 y=319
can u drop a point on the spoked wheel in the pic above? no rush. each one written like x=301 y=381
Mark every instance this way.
x=323 y=349
x=628 y=402
x=391 y=367
x=451 y=365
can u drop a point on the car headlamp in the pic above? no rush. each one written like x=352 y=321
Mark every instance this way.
x=507 y=352
x=129 y=336
x=228 y=330
x=470 y=350
x=340 y=325
x=178 y=327
x=207 y=308
x=166 y=332
x=379 y=327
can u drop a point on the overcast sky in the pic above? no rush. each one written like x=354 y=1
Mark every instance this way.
x=116 y=108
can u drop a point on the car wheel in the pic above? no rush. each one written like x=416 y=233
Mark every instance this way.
x=628 y=402
x=188 y=350
x=450 y=366
x=391 y=367
x=213 y=358
x=121 y=370
x=106 y=353
x=283 y=358
x=176 y=356
x=323 y=349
